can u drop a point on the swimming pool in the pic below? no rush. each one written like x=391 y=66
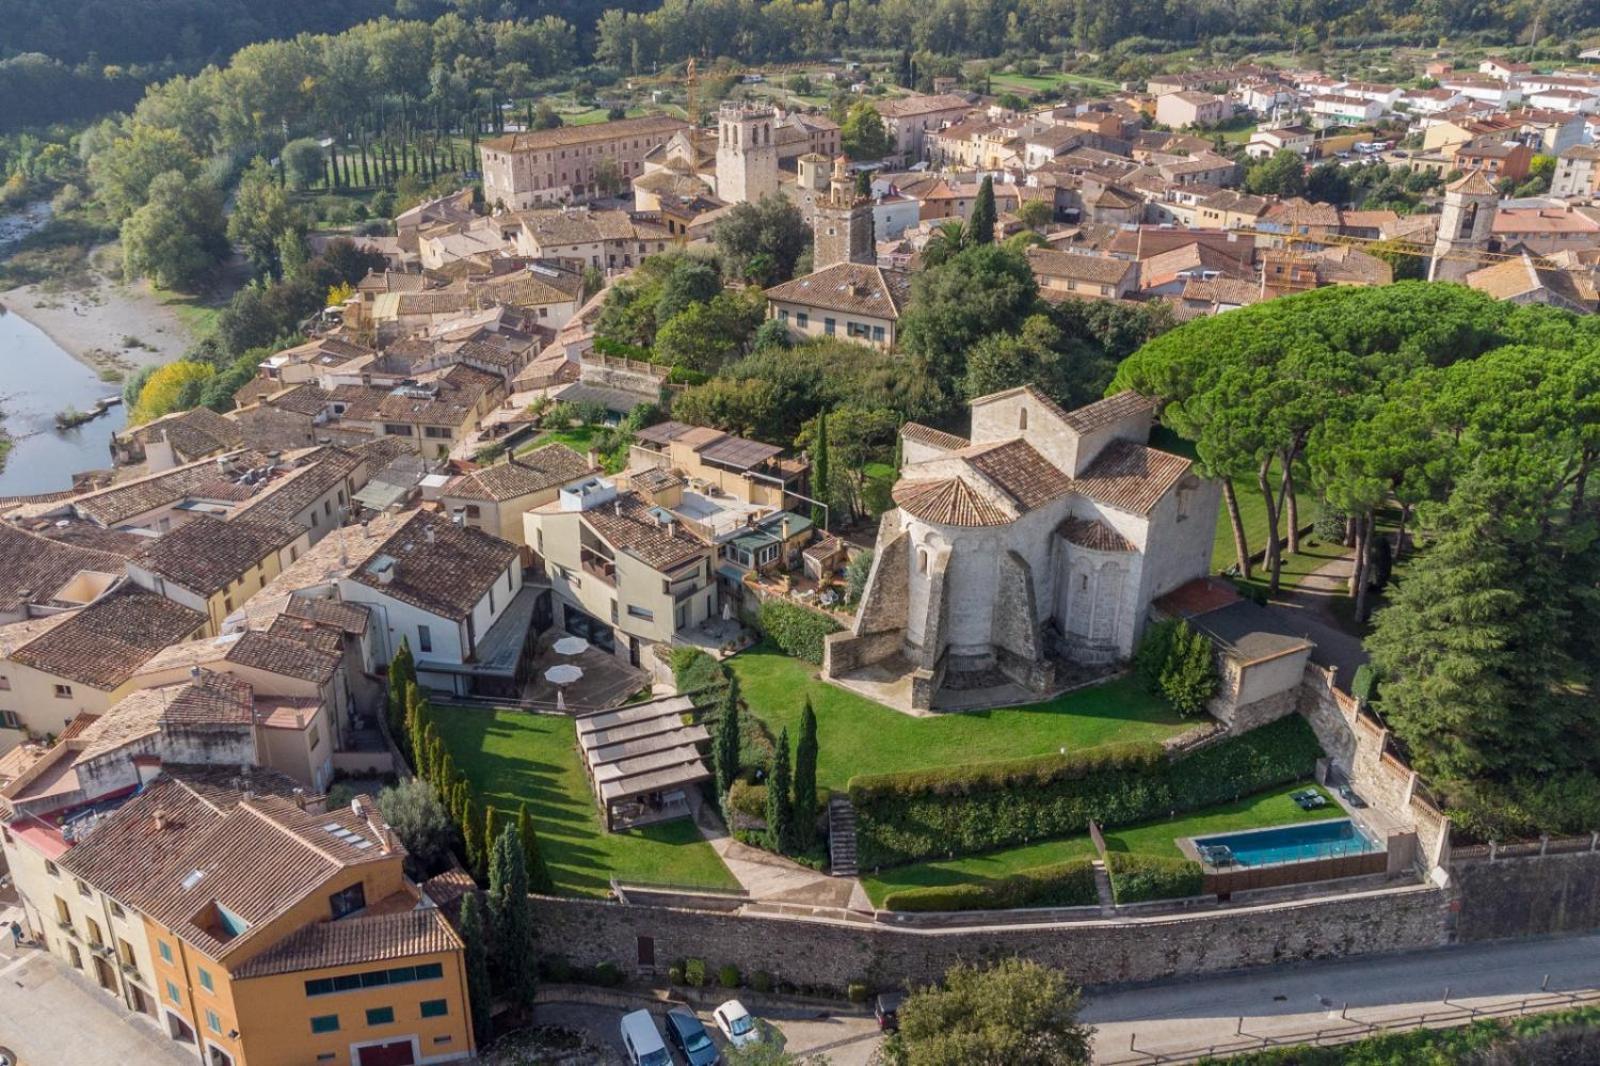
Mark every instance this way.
x=1287 y=843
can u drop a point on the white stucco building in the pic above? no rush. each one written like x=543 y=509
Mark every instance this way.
x=1043 y=538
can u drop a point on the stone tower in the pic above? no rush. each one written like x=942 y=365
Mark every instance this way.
x=747 y=154
x=842 y=227
x=1464 y=225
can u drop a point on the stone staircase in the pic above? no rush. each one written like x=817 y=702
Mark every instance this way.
x=841 y=836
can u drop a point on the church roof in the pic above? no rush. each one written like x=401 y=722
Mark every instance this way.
x=948 y=502
x=933 y=438
x=1018 y=470
x=1473 y=183
x=1131 y=477
x=1093 y=534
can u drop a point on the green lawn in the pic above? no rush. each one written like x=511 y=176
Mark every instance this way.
x=858 y=736
x=580 y=439
x=1273 y=807
x=512 y=757
x=1048 y=82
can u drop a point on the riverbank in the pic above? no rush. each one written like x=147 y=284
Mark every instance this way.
x=112 y=327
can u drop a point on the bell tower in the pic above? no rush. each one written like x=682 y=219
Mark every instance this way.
x=1465 y=225
x=747 y=154
x=842 y=226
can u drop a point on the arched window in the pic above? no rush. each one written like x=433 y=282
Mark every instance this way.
x=1022 y=418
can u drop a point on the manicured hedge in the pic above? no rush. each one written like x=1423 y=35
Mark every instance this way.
x=1136 y=878
x=903 y=818
x=797 y=630
x=1063 y=884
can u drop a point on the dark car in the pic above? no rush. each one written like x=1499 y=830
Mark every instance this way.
x=685 y=1033
x=887 y=1011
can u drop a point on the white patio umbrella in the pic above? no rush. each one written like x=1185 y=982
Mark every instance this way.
x=727 y=610
x=565 y=674
x=571 y=646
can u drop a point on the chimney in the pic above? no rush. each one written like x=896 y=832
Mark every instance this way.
x=428 y=533
x=160 y=819
x=387 y=840
x=593 y=457
x=783 y=528
x=300 y=798
x=357 y=809
x=194 y=673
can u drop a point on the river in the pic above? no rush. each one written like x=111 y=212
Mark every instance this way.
x=37 y=379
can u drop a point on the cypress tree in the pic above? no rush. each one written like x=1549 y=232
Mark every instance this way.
x=366 y=170
x=805 y=780
x=472 y=837
x=780 y=807
x=479 y=991
x=490 y=816
x=514 y=949
x=725 y=752
x=981 y=224
x=532 y=857
x=819 y=473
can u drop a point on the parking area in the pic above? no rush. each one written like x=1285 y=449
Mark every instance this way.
x=846 y=1040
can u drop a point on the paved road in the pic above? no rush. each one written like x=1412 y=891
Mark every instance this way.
x=1287 y=1004
x=38 y=992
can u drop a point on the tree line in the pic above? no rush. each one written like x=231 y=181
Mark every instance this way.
x=1432 y=414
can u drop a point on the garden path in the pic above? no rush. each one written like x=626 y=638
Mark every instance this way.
x=1309 y=609
x=771 y=878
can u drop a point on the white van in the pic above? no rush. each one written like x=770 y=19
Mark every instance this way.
x=642 y=1040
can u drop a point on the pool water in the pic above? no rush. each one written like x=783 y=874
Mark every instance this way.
x=1292 y=843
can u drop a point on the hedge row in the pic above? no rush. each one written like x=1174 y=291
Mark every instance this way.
x=1136 y=878
x=799 y=631
x=1063 y=884
x=904 y=818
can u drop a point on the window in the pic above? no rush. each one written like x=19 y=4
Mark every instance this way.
x=1022 y=418
x=172 y=993
x=354 y=982
x=827 y=326
x=380 y=1015
x=213 y=1022
x=802 y=319
x=877 y=334
x=473 y=510
x=63 y=692
x=424 y=638
x=435 y=1008
x=395 y=429
x=613 y=612
x=5 y=683
x=635 y=611
x=325 y=1023
x=117 y=911
x=9 y=719
x=348 y=901
x=205 y=979
x=783 y=316
x=165 y=950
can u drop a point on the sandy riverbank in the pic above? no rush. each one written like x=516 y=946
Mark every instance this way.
x=94 y=324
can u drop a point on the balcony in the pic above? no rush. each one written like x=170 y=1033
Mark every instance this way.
x=599 y=566
x=683 y=592
x=66 y=926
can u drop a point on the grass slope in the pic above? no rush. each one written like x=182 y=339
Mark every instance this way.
x=1272 y=807
x=512 y=757
x=858 y=736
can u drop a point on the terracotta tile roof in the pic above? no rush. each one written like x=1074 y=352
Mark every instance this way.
x=1099 y=269
x=81 y=721
x=654 y=479
x=520 y=475
x=285 y=498
x=306 y=399
x=1131 y=477
x=436 y=565
x=354 y=940
x=33 y=568
x=103 y=644
x=1092 y=534
x=198 y=480
x=449 y=888
x=277 y=654
x=1018 y=470
x=350 y=618
x=933 y=438
x=555 y=227
x=1222 y=291
x=948 y=502
x=207 y=701
x=566 y=136
x=912 y=106
x=852 y=288
x=1109 y=411
x=300 y=631
x=205 y=555
x=193 y=434
x=629 y=525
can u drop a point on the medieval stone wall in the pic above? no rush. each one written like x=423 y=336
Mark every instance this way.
x=1534 y=895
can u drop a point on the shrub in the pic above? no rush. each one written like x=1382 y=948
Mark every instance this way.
x=1176 y=662
x=749 y=800
x=907 y=817
x=675 y=974
x=1364 y=684
x=797 y=630
x=1062 y=884
x=728 y=976
x=555 y=969
x=608 y=975
x=761 y=981
x=698 y=676
x=694 y=973
x=1142 y=877
x=857 y=991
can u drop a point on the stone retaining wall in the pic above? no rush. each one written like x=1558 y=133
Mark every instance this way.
x=1535 y=895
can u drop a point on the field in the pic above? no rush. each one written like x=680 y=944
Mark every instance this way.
x=1048 y=82
x=513 y=758
x=858 y=736
x=1273 y=807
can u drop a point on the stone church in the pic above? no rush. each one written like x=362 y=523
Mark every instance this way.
x=1041 y=540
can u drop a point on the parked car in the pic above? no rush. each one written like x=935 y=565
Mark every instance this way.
x=642 y=1040
x=887 y=1011
x=736 y=1024
x=685 y=1033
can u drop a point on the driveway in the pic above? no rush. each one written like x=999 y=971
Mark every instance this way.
x=51 y=1015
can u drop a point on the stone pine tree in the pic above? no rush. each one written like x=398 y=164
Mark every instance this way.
x=980 y=226
x=480 y=992
x=819 y=473
x=780 y=805
x=538 y=872
x=514 y=952
x=726 y=751
x=805 y=780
